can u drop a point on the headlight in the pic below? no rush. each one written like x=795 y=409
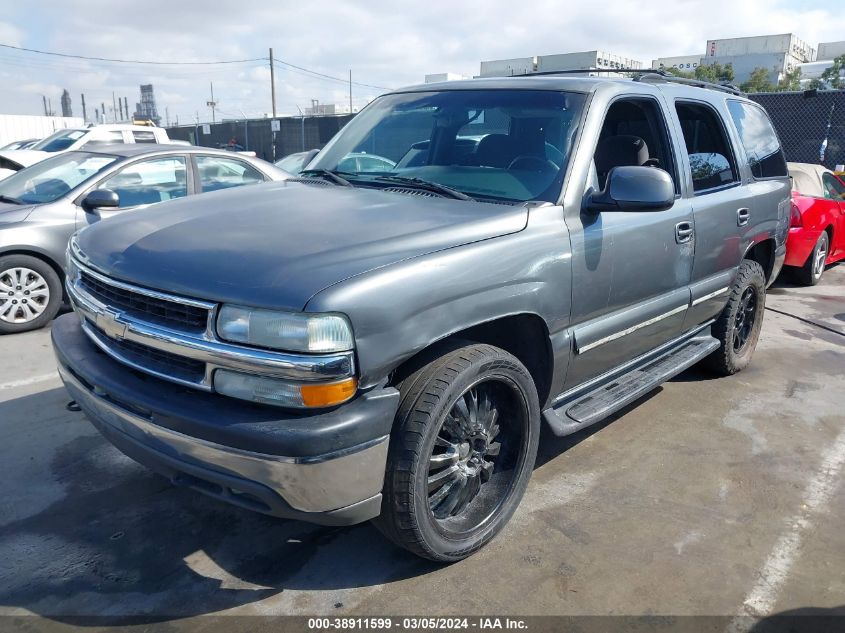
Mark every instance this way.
x=289 y=331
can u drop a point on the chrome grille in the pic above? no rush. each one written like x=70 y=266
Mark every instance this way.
x=152 y=360
x=179 y=316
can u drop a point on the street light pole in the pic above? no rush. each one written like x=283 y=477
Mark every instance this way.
x=246 y=131
x=302 y=125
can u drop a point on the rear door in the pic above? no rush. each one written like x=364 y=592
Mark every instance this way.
x=721 y=205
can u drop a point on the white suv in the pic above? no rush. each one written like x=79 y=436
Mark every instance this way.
x=74 y=138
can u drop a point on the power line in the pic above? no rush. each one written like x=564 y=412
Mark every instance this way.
x=133 y=61
x=324 y=76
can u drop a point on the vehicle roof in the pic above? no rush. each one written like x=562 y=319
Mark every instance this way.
x=807 y=178
x=138 y=149
x=571 y=84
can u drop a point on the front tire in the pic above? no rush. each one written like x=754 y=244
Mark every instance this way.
x=811 y=273
x=30 y=293
x=738 y=327
x=461 y=452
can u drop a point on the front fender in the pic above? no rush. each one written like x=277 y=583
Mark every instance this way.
x=401 y=309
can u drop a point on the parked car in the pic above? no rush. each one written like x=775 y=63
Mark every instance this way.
x=356 y=346
x=25 y=144
x=816 y=224
x=296 y=162
x=43 y=205
x=70 y=139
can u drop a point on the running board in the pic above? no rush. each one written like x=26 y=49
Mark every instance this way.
x=586 y=409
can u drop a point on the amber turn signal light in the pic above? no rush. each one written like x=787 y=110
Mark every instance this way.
x=328 y=394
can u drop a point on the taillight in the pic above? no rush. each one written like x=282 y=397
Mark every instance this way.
x=794 y=215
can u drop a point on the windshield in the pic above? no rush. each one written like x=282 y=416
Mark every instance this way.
x=60 y=140
x=50 y=179
x=508 y=145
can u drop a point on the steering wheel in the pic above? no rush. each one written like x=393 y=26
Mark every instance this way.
x=532 y=163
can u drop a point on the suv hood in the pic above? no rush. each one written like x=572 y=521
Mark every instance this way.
x=276 y=245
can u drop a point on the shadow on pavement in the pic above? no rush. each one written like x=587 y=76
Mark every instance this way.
x=120 y=540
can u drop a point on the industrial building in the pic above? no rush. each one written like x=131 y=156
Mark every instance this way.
x=146 y=110
x=586 y=61
x=439 y=77
x=830 y=50
x=778 y=54
x=686 y=63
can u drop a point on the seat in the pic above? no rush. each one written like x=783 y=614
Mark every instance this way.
x=619 y=151
x=495 y=150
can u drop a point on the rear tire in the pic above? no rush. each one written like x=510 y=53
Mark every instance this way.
x=30 y=293
x=738 y=327
x=811 y=273
x=461 y=452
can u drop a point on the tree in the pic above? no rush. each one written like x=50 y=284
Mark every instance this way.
x=715 y=73
x=758 y=81
x=677 y=72
x=791 y=80
x=832 y=75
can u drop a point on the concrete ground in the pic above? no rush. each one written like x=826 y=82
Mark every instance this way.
x=710 y=496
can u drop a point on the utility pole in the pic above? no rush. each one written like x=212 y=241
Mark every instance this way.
x=126 y=107
x=102 y=111
x=84 y=112
x=273 y=82
x=44 y=98
x=120 y=108
x=212 y=104
x=50 y=103
x=350 y=91
x=113 y=107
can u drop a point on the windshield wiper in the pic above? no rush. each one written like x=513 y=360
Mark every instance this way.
x=427 y=185
x=10 y=199
x=328 y=174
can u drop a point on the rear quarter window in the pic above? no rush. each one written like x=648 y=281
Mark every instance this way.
x=758 y=137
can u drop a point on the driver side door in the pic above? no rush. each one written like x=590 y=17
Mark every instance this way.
x=141 y=184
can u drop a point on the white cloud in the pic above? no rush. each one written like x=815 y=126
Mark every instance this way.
x=385 y=43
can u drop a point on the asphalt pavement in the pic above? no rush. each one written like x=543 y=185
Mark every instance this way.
x=711 y=496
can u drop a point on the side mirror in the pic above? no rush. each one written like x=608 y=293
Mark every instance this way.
x=99 y=199
x=634 y=189
x=309 y=156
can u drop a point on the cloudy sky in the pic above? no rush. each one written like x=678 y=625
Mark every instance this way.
x=386 y=44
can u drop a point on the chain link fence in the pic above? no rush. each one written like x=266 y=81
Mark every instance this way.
x=811 y=124
x=295 y=134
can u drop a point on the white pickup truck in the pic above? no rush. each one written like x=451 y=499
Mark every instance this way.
x=74 y=138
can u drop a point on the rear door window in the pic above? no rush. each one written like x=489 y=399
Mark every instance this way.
x=758 y=137
x=710 y=157
x=218 y=172
x=144 y=136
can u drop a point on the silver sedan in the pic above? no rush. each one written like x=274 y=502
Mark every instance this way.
x=43 y=205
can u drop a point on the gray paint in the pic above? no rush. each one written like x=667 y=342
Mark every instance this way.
x=410 y=271
x=44 y=229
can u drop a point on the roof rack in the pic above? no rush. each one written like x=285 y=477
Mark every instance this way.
x=644 y=75
x=656 y=76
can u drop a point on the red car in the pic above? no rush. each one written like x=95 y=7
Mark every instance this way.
x=816 y=222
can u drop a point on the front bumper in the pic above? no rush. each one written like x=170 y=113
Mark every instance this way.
x=324 y=467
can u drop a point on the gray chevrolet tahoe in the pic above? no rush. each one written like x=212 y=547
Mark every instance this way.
x=386 y=344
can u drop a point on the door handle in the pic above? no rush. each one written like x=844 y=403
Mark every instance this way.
x=683 y=232
x=742 y=216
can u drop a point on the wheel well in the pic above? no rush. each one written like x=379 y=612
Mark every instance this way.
x=764 y=254
x=47 y=260
x=523 y=335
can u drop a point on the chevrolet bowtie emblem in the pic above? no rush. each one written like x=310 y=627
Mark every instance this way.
x=110 y=324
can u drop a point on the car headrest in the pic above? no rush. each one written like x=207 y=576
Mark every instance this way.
x=620 y=151
x=495 y=150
